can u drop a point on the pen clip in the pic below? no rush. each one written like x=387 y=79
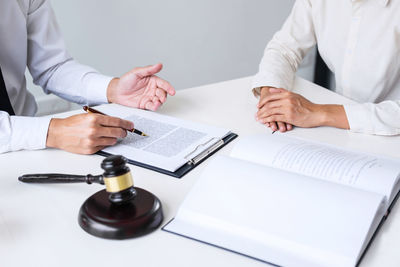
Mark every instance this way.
x=202 y=154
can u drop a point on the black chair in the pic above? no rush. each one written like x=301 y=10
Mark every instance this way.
x=322 y=74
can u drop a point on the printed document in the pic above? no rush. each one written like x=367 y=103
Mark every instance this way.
x=170 y=143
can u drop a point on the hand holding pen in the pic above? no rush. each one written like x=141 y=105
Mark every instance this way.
x=92 y=110
x=86 y=133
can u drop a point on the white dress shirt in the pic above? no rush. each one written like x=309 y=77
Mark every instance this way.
x=360 y=42
x=30 y=37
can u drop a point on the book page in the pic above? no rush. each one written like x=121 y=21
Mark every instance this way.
x=364 y=171
x=170 y=143
x=277 y=216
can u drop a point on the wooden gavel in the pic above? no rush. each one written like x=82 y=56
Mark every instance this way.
x=118 y=212
x=117 y=178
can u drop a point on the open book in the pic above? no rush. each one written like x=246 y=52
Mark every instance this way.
x=173 y=146
x=290 y=202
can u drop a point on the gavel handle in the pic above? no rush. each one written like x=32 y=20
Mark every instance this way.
x=58 y=178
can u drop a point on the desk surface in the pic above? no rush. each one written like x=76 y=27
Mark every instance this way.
x=38 y=223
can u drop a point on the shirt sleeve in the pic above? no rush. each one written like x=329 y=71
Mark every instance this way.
x=17 y=132
x=52 y=67
x=286 y=50
x=378 y=119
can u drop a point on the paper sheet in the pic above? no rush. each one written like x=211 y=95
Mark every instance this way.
x=322 y=161
x=169 y=142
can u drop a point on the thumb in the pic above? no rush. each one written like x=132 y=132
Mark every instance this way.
x=148 y=70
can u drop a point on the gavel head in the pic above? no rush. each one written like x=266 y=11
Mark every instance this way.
x=118 y=179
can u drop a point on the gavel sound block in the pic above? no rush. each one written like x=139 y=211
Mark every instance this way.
x=121 y=210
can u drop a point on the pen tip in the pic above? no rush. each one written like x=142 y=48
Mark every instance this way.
x=143 y=134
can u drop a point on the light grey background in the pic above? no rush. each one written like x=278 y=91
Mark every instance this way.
x=199 y=42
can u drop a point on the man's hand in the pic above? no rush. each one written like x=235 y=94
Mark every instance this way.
x=86 y=133
x=288 y=107
x=274 y=125
x=140 y=88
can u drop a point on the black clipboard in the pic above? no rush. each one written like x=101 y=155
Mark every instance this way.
x=179 y=173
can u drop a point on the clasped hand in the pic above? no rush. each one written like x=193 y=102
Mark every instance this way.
x=89 y=133
x=280 y=109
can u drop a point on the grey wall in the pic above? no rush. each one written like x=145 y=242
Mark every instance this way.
x=199 y=42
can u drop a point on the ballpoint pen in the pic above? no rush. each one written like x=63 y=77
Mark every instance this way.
x=92 y=110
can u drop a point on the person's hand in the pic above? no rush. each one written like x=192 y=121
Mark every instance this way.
x=289 y=107
x=274 y=125
x=86 y=133
x=140 y=88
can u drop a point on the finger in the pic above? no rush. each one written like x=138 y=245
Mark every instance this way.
x=164 y=85
x=91 y=146
x=109 y=121
x=272 y=97
x=282 y=126
x=153 y=105
x=161 y=94
x=273 y=104
x=273 y=126
x=110 y=132
x=93 y=150
x=106 y=141
x=273 y=118
x=263 y=113
x=148 y=70
x=143 y=101
x=289 y=127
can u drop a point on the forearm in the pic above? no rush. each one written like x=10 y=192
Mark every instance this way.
x=286 y=50
x=77 y=83
x=17 y=133
x=53 y=68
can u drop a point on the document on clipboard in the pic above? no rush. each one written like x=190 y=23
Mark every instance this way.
x=173 y=146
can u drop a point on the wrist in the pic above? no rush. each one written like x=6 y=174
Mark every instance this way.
x=333 y=115
x=51 y=140
x=112 y=89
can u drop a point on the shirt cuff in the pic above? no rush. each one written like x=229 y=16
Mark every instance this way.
x=28 y=133
x=357 y=117
x=369 y=119
x=96 y=88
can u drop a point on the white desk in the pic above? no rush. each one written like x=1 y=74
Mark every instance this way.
x=38 y=223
